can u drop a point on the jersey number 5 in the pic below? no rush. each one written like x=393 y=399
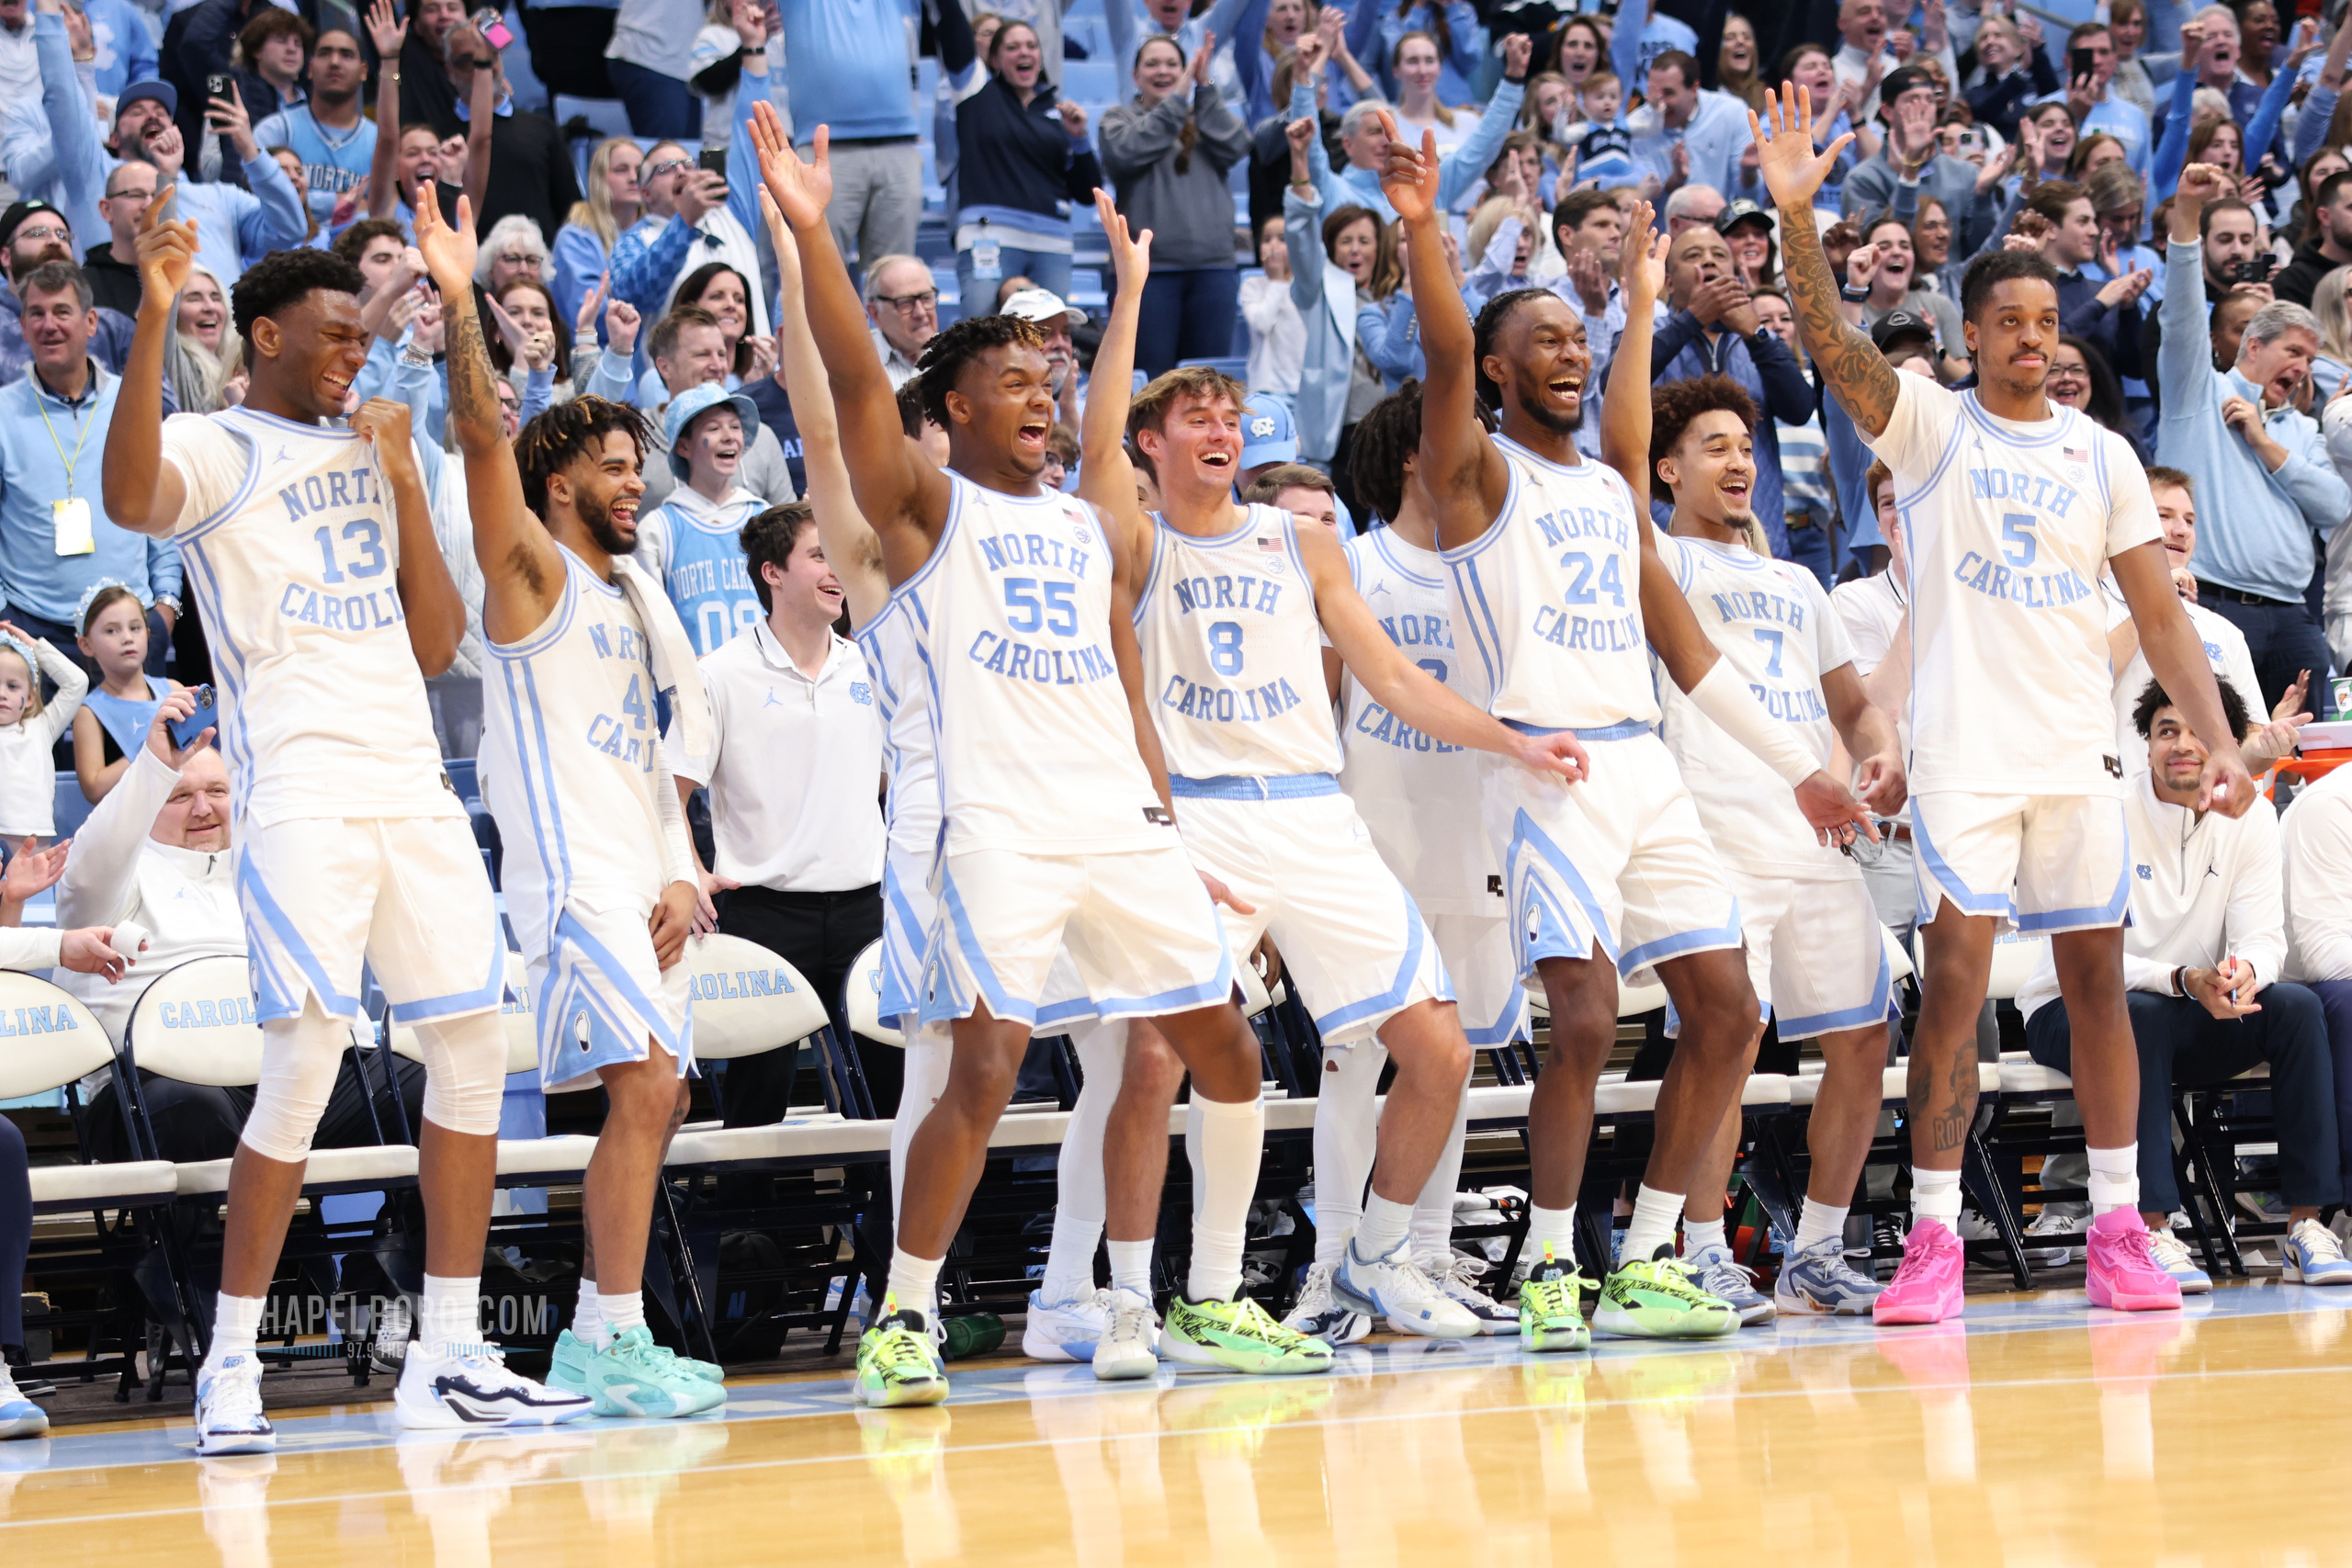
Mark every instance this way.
x=2016 y=529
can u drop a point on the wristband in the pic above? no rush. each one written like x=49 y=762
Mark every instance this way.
x=2179 y=975
x=1853 y=296
x=1724 y=697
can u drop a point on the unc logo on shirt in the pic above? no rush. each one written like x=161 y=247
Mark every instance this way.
x=862 y=694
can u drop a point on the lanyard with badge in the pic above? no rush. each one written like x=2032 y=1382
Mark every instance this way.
x=72 y=514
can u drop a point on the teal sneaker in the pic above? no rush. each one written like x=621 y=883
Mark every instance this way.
x=896 y=1362
x=633 y=1376
x=567 y=1365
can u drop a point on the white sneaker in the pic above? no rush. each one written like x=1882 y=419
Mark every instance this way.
x=1319 y=1314
x=476 y=1390
x=2172 y=1256
x=1393 y=1286
x=19 y=1416
x=2048 y=1224
x=1129 y=1347
x=229 y=1418
x=1458 y=1276
x=1065 y=1331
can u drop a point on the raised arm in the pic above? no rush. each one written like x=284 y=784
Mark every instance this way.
x=387 y=30
x=102 y=872
x=1858 y=375
x=143 y=490
x=1106 y=477
x=522 y=572
x=1625 y=407
x=481 y=111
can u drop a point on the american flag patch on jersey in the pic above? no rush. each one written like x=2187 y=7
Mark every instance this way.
x=2076 y=454
x=1271 y=546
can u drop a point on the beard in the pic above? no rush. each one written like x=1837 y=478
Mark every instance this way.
x=596 y=516
x=1542 y=413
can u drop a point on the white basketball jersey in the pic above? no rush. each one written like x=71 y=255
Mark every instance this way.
x=893 y=642
x=2008 y=525
x=1772 y=621
x=1035 y=744
x=569 y=743
x=1417 y=796
x=1551 y=598
x=291 y=543
x=1233 y=652
x=2226 y=650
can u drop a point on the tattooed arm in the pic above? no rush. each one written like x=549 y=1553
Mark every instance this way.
x=1858 y=375
x=522 y=570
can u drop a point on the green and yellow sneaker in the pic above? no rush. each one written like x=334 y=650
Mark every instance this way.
x=1238 y=1335
x=633 y=1376
x=897 y=1363
x=1654 y=1299
x=1549 y=1316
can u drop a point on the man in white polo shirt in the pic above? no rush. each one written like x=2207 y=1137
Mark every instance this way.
x=794 y=778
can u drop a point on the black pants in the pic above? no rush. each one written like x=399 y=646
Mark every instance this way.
x=2183 y=1045
x=820 y=934
x=2285 y=639
x=197 y=1121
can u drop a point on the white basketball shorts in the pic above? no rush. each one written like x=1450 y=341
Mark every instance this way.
x=1816 y=952
x=2037 y=863
x=1351 y=939
x=604 y=999
x=909 y=907
x=1619 y=862
x=1139 y=926
x=1484 y=967
x=325 y=898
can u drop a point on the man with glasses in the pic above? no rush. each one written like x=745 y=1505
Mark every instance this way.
x=111 y=267
x=530 y=168
x=33 y=233
x=903 y=302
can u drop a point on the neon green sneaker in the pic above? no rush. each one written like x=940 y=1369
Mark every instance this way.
x=633 y=1376
x=1654 y=1299
x=567 y=1365
x=1549 y=1316
x=1238 y=1336
x=897 y=1363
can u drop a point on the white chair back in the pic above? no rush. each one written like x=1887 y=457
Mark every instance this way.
x=518 y=1012
x=195 y=1023
x=47 y=1038
x=1898 y=963
x=865 y=991
x=1255 y=997
x=746 y=999
x=2014 y=957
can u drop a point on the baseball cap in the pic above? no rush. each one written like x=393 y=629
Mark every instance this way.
x=1042 y=305
x=1267 y=435
x=12 y=220
x=1901 y=80
x=1741 y=211
x=1902 y=324
x=163 y=93
x=697 y=400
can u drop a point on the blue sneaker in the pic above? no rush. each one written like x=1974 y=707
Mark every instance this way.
x=1819 y=1282
x=1716 y=1271
x=19 y=1416
x=2312 y=1256
x=2172 y=1256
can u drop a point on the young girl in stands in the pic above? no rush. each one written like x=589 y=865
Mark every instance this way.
x=30 y=729
x=113 y=722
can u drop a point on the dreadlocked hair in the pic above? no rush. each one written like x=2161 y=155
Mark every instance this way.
x=1491 y=320
x=1386 y=439
x=1676 y=404
x=944 y=356
x=566 y=430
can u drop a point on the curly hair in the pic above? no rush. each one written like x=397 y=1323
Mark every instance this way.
x=287 y=278
x=1386 y=435
x=1677 y=403
x=559 y=434
x=1492 y=318
x=944 y=356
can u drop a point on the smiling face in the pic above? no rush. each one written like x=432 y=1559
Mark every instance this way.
x=1416 y=67
x=1355 y=248
x=529 y=309
x=1863 y=24
x=1002 y=405
x=136 y=122
x=602 y=488
x=1931 y=234
x=1711 y=470
x=1738 y=53
x=1896 y=259
x=1998 y=46
x=435 y=17
x=2057 y=127
x=2175 y=757
x=1675 y=94
x=699 y=354
x=1018 y=59
x=57 y=329
x=2013 y=335
x=15 y=686
x=2128 y=25
x=1772 y=314
x=1540 y=362
x=803 y=590
x=2069 y=383
x=2177 y=512
x=195 y=814
x=713 y=444
x=2075 y=241
x=420 y=156
x=1750 y=242
x=203 y=313
x=1159 y=69
x=723 y=297
x=1197 y=451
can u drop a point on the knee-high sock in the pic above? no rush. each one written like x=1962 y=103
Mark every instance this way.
x=1079 y=1197
x=1433 y=1210
x=929 y=1056
x=1233 y=1140
x=1347 y=1137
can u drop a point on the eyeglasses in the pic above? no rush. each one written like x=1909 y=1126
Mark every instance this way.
x=2070 y=372
x=908 y=304
x=53 y=231
x=520 y=258
x=665 y=165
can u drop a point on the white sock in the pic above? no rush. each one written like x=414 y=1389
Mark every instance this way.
x=618 y=1315
x=1555 y=1226
x=2115 y=1178
x=236 y=1325
x=1935 y=1195
x=1233 y=1140
x=1347 y=1130
x=914 y=1283
x=1070 y=1264
x=585 y=1318
x=1697 y=1233
x=1652 y=1225
x=1384 y=1226
x=1079 y=1197
x=1131 y=1267
x=1819 y=1224
x=448 y=1317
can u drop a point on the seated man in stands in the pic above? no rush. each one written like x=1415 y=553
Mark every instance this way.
x=2203 y=960
x=155 y=854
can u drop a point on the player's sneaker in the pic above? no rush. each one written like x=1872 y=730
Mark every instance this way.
x=1925 y=1288
x=1656 y=1298
x=1238 y=1336
x=1392 y=1285
x=568 y=1364
x=475 y=1389
x=1457 y=1275
x=1716 y=1271
x=1550 y=1314
x=1129 y=1345
x=229 y=1418
x=633 y=1376
x=1318 y=1314
x=2172 y=1256
x=19 y=1416
x=1065 y=1331
x=2048 y=1225
x=2312 y=1256
x=896 y=1362
x=1819 y=1282
x=2124 y=1273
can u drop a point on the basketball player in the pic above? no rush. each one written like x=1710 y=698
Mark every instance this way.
x=310 y=551
x=1066 y=1313
x=1057 y=823
x=1816 y=952
x=1232 y=603
x=2010 y=505
x=600 y=880
x=1555 y=572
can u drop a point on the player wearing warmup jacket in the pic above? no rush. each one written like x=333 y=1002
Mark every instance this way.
x=1816 y=952
x=1556 y=575
x=599 y=878
x=1055 y=802
x=326 y=599
x=1067 y=1313
x=1231 y=606
x=2010 y=507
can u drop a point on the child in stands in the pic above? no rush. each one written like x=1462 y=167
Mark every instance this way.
x=30 y=728
x=113 y=722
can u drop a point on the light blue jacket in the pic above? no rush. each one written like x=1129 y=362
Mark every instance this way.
x=2255 y=526
x=1326 y=299
x=1456 y=172
x=33 y=576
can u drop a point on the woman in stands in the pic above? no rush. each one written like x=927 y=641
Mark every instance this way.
x=2081 y=379
x=533 y=335
x=1736 y=62
x=205 y=362
x=1022 y=158
x=1419 y=69
x=585 y=244
x=1583 y=50
x=1168 y=152
x=2332 y=365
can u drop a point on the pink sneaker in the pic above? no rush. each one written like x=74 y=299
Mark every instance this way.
x=2124 y=1273
x=1927 y=1288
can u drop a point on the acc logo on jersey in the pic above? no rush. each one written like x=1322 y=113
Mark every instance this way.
x=860 y=693
x=1085 y=535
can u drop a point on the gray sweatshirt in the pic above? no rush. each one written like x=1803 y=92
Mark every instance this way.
x=1190 y=214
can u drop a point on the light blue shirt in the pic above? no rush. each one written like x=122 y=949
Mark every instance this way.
x=1716 y=136
x=2128 y=124
x=44 y=460
x=333 y=161
x=847 y=68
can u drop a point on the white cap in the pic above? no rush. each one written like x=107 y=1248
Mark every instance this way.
x=1042 y=305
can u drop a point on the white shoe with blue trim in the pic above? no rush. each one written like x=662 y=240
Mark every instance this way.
x=2312 y=1256
x=2172 y=1256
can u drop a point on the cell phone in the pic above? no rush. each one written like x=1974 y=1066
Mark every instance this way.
x=2079 y=63
x=493 y=31
x=713 y=160
x=215 y=85
x=207 y=714
x=2254 y=269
